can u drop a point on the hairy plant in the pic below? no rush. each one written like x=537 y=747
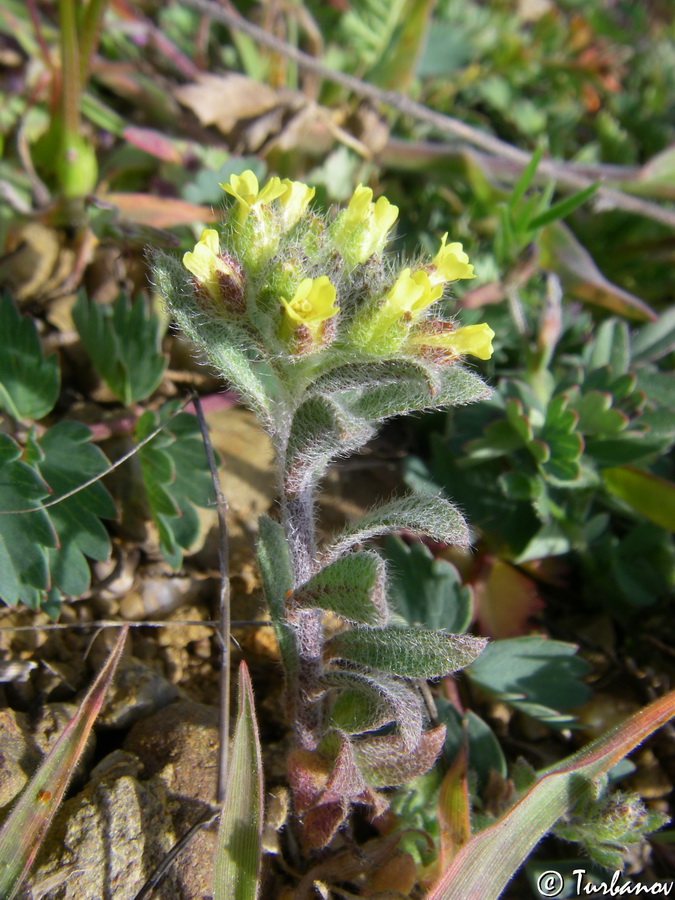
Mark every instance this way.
x=325 y=336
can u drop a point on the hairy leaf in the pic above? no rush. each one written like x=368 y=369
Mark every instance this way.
x=29 y=381
x=425 y=514
x=366 y=701
x=276 y=570
x=321 y=431
x=385 y=762
x=353 y=587
x=406 y=651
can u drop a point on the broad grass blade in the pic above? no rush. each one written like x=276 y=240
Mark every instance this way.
x=239 y=847
x=28 y=822
x=484 y=865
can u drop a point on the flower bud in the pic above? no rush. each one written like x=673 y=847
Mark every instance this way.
x=361 y=230
x=217 y=275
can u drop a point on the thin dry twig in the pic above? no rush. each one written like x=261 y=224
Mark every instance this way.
x=561 y=172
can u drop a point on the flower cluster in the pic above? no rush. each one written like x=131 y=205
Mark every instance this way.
x=264 y=266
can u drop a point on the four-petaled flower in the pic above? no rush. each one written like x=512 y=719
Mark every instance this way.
x=311 y=305
x=218 y=274
x=450 y=263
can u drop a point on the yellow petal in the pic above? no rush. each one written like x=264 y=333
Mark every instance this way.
x=295 y=200
x=450 y=263
x=471 y=340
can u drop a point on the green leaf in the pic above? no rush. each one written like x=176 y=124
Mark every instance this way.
x=321 y=430
x=535 y=675
x=27 y=824
x=427 y=591
x=650 y=495
x=123 y=343
x=484 y=865
x=365 y=701
x=69 y=459
x=352 y=587
x=29 y=381
x=226 y=346
x=406 y=651
x=24 y=537
x=424 y=514
x=485 y=752
x=525 y=178
x=563 y=207
x=276 y=570
x=176 y=477
x=239 y=849
x=596 y=415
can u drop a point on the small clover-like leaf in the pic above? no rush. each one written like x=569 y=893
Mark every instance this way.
x=29 y=381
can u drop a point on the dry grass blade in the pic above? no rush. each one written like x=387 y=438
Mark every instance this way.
x=239 y=847
x=28 y=822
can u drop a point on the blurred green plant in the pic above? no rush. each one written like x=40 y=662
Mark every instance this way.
x=44 y=551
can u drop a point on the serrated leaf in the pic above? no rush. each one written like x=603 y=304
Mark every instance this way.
x=352 y=587
x=424 y=514
x=29 y=381
x=123 y=343
x=366 y=701
x=321 y=431
x=427 y=591
x=406 y=651
x=28 y=822
x=24 y=537
x=536 y=675
x=69 y=460
x=238 y=854
x=176 y=477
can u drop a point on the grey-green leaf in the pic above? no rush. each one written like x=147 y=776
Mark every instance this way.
x=424 y=514
x=352 y=587
x=406 y=651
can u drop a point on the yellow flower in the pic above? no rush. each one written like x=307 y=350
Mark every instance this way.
x=312 y=304
x=295 y=200
x=208 y=266
x=364 y=225
x=438 y=338
x=245 y=189
x=450 y=263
